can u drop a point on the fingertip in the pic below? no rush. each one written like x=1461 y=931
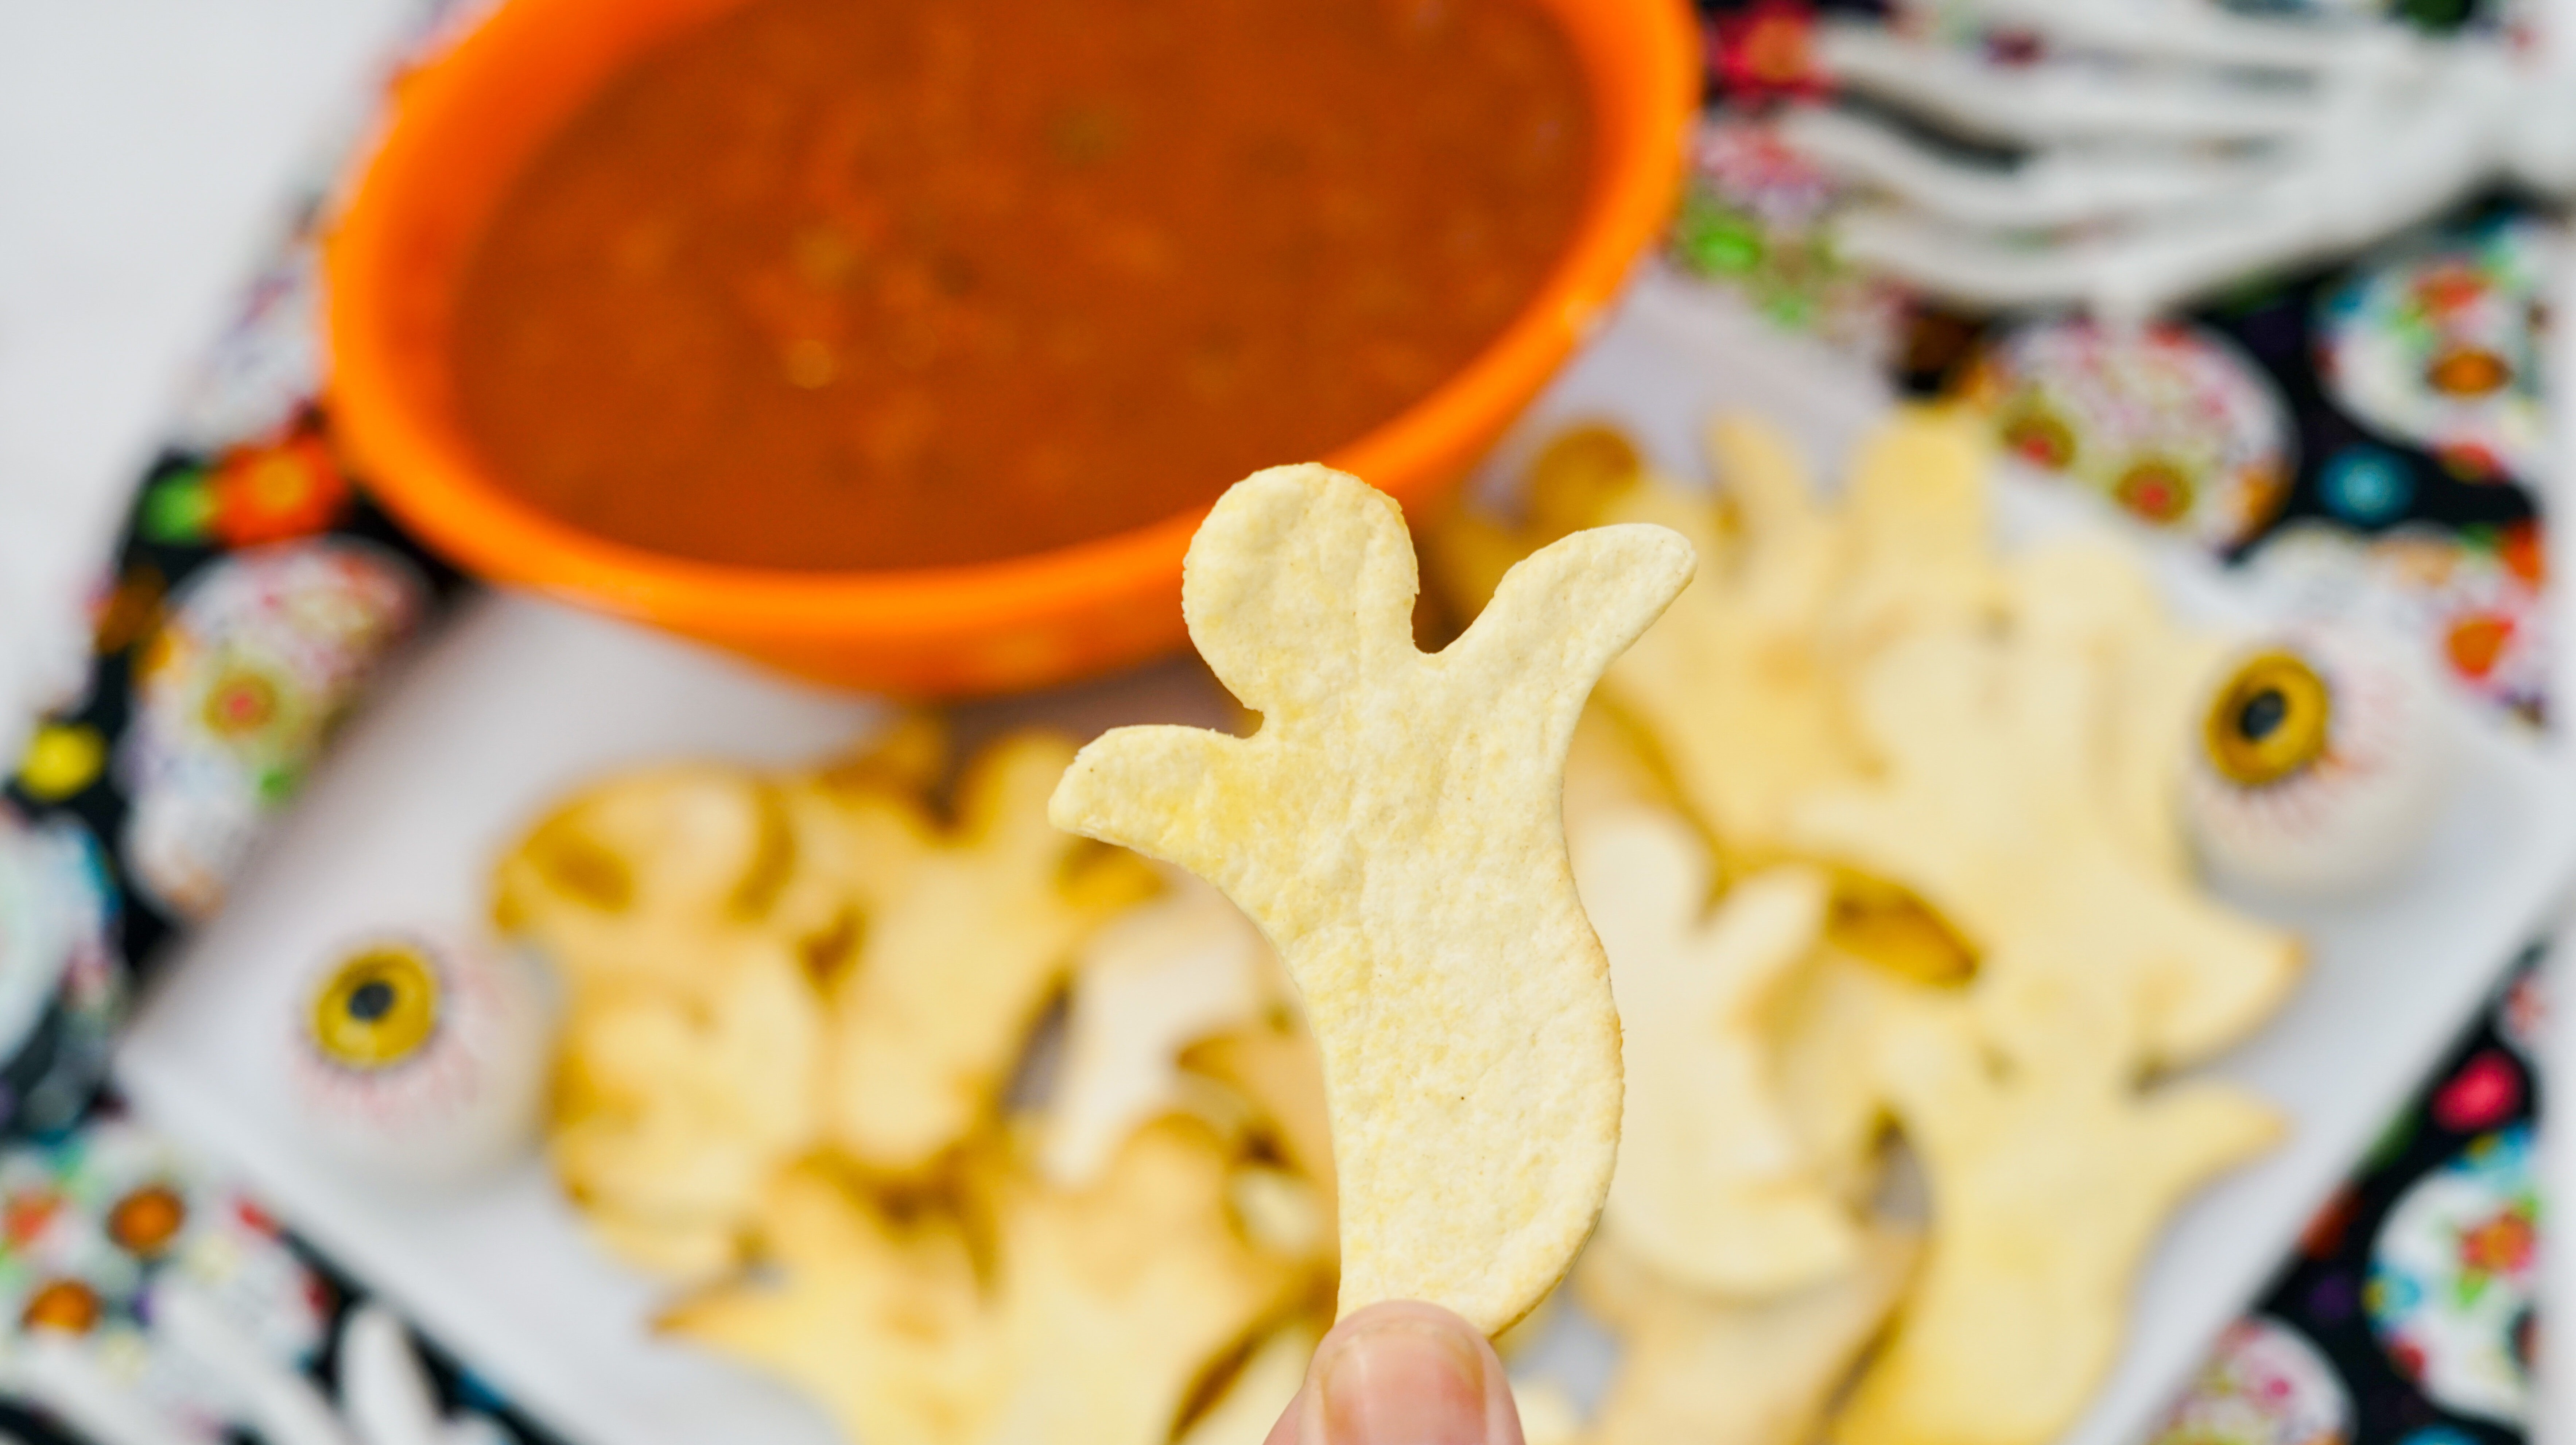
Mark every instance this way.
x=1402 y=1372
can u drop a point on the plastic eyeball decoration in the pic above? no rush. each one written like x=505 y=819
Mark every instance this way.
x=2320 y=763
x=422 y=1061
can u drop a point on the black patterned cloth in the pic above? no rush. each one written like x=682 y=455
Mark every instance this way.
x=2406 y=1313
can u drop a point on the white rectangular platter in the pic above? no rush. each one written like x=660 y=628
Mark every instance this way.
x=520 y=699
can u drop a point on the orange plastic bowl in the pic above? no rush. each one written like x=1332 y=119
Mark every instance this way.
x=462 y=126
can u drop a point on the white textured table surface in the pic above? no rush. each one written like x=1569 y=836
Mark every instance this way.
x=144 y=146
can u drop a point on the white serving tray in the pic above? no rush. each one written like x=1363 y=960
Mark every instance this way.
x=520 y=699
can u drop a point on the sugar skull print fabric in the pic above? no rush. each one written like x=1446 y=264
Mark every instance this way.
x=2438 y=342
x=260 y=654
x=2170 y=423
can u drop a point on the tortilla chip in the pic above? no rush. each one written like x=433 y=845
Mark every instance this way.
x=2050 y=1179
x=1394 y=829
x=1119 y=1299
x=1992 y=810
x=1275 y=1066
x=2093 y=596
x=1261 y=1390
x=673 y=1110
x=1714 y=1186
x=635 y=880
x=964 y=936
x=879 y=1320
x=1149 y=984
x=1699 y=1369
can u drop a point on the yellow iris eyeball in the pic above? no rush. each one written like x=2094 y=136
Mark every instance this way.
x=2271 y=719
x=2322 y=761
x=422 y=1056
x=378 y=1007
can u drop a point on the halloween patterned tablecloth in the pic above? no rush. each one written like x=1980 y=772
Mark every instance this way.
x=2406 y=1314
x=2363 y=436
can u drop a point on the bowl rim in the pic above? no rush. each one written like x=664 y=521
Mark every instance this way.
x=416 y=470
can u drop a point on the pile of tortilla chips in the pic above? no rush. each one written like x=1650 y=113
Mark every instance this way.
x=1878 y=830
x=797 y=1009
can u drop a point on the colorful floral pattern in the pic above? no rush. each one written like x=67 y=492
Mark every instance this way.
x=92 y=1227
x=2414 y=1285
x=270 y=490
x=259 y=655
x=2437 y=342
x=2265 y=1384
x=1752 y=219
x=2474 y=595
x=2170 y=423
x=1766 y=51
x=253 y=593
x=2453 y=1275
x=2484 y=1093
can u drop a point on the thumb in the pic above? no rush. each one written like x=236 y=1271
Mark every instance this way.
x=1402 y=1373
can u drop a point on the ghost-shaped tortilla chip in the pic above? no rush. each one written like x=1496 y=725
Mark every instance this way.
x=1393 y=827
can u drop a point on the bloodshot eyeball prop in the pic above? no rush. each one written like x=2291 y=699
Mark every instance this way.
x=421 y=1060
x=2320 y=763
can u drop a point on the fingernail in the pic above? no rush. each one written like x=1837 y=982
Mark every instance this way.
x=1405 y=1379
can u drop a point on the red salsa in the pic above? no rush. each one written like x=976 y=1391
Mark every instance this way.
x=846 y=284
